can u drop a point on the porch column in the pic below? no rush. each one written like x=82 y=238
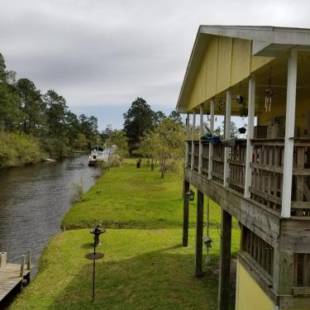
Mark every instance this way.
x=199 y=234
x=227 y=136
x=193 y=136
x=225 y=260
x=187 y=164
x=210 y=167
x=250 y=136
x=200 y=141
x=289 y=134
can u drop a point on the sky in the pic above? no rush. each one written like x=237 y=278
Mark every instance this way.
x=101 y=55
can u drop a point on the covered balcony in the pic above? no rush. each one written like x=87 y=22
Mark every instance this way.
x=270 y=164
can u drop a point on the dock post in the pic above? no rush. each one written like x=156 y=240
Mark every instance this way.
x=22 y=270
x=185 y=213
x=199 y=234
x=22 y=266
x=3 y=258
x=225 y=260
x=29 y=260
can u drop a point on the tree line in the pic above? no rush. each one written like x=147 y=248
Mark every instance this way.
x=150 y=134
x=24 y=109
x=29 y=117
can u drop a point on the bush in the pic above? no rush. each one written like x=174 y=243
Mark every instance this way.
x=114 y=161
x=19 y=149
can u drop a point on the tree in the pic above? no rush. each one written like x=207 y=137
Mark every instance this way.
x=220 y=130
x=137 y=121
x=2 y=69
x=22 y=107
x=165 y=143
x=75 y=138
x=147 y=147
x=10 y=114
x=89 y=127
x=56 y=124
x=158 y=117
x=119 y=139
x=176 y=116
x=31 y=105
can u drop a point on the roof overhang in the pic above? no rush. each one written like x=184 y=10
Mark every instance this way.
x=267 y=41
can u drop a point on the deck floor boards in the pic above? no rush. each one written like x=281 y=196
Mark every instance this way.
x=10 y=278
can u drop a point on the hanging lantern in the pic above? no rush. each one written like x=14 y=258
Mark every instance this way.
x=268 y=99
x=268 y=93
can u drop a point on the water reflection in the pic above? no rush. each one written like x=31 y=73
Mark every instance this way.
x=33 y=201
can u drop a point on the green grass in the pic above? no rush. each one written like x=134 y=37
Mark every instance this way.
x=144 y=266
x=128 y=197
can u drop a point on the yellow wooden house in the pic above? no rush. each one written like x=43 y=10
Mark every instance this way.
x=263 y=180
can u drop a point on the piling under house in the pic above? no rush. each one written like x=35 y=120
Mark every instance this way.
x=263 y=180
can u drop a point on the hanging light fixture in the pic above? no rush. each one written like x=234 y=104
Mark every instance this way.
x=268 y=94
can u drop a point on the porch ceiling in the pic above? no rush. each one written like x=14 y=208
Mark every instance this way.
x=274 y=76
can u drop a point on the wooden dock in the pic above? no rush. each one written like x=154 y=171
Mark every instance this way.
x=13 y=275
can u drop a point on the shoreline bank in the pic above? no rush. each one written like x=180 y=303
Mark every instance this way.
x=144 y=266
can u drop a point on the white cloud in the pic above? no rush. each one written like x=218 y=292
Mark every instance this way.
x=99 y=52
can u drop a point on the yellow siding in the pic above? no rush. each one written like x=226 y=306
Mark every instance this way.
x=198 y=91
x=211 y=67
x=248 y=293
x=241 y=59
x=225 y=63
x=258 y=62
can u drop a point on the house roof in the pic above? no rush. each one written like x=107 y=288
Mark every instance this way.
x=267 y=41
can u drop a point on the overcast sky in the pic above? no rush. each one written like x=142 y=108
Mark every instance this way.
x=100 y=55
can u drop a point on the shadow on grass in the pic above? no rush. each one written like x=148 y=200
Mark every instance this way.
x=157 y=280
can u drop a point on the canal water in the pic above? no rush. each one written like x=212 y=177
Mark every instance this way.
x=33 y=201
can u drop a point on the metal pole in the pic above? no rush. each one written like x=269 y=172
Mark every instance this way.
x=94 y=271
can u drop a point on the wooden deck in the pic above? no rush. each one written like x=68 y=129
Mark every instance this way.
x=267 y=170
x=13 y=275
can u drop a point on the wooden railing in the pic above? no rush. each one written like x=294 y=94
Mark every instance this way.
x=237 y=166
x=218 y=162
x=267 y=170
x=189 y=154
x=267 y=175
x=196 y=155
x=301 y=178
x=205 y=159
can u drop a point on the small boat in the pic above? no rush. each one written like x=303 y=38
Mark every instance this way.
x=99 y=154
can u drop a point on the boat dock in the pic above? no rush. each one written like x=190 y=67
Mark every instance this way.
x=13 y=274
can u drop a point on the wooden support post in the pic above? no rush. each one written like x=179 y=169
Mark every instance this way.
x=227 y=136
x=200 y=141
x=193 y=144
x=289 y=134
x=225 y=258
x=22 y=266
x=185 y=213
x=250 y=136
x=210 y=167
x=3 y=259
x=283 y=271
x=29 y=260
x=199 y=234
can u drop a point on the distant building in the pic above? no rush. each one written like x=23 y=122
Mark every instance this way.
x=262 y=73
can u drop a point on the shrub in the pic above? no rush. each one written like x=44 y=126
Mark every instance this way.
x=19 y=149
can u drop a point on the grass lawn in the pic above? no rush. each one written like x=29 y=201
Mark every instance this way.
x=128 y=197
x=144 y=265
